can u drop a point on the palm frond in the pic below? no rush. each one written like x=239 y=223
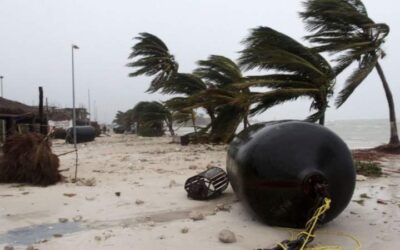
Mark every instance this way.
x=218 y=70
x=182 y=83
x=269 y=99
x=367 y=64
x=334 y=15
x=154 y=60
x=275 y=81
x=268 y=49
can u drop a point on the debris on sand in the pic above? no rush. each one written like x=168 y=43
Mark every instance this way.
x=90 y=182
x=9 y=247
x=77 y=218
x=185 y=230
x=27 y=158
x=63 y=220
x=360 y=202
x=196 y=215
x=172 y=183
x=139 y=202
x=69 y=194
x=226 y=236
x=379 y=201
x=223 y=207
x=192 y=167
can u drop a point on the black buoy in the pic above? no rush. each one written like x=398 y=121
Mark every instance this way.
x=83 y=134
x=275 y=167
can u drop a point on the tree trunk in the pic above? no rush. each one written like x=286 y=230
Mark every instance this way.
x=245 y=122
x=394 y=138
x=194 y=122
x=225 y=124
x=322 y=120
x=43 y=127
x=170 y=128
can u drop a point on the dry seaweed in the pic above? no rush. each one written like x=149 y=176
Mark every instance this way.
x=27 y=158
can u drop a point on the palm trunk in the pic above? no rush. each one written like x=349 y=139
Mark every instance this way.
x=194 y=122
x=245 y=122
x=322 y=120
x=394 y=138
x=170 y=128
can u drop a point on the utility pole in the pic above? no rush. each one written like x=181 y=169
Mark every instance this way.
x=90 y=116
x=74 y=111
x=1 y=85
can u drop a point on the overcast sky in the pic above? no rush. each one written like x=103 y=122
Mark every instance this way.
x=36 y=38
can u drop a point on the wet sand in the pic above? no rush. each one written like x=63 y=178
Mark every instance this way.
x=131 y=197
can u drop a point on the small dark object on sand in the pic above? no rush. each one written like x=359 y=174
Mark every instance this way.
x=118 y=194
x=208 y=184
x=28 y=158
x=59 y=133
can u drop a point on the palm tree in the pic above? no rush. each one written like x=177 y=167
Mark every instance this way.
x=154 y=60
x=152 y=114
x=124 y=119
x=150 y=117
x=221 y=74
x=297 y=72
x=343 y=28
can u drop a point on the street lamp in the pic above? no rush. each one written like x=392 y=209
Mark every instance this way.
x=1 y=85
x=73 y=110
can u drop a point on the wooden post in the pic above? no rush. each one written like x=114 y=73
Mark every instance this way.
x=43 y=127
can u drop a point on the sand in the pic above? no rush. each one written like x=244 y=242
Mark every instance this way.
x=131 y=197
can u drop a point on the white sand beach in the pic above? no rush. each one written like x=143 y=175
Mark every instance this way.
x=132 y=197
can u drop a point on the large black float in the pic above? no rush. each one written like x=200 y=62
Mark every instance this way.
x=83 y=134
x=279 y=170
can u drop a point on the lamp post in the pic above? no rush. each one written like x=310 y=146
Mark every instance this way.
x=73 y=110
x=3 y=123
x=1 y=85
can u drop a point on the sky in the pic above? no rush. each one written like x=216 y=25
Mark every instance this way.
x=36 y=38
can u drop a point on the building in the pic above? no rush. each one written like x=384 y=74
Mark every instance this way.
x=18 y=117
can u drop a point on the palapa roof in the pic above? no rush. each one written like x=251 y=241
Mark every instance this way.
x=8 y=107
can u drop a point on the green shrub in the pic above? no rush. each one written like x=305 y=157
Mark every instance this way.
x=368 y=168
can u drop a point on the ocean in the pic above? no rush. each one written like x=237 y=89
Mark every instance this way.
x=356 y=133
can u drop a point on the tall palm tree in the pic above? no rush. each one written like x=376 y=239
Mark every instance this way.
x=297 y=71
x=343 y=28
x=154 y=60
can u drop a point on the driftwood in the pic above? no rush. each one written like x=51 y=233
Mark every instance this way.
x=27 y=158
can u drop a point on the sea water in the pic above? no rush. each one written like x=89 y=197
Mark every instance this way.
x=357 y=134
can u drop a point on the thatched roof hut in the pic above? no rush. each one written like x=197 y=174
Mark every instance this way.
x=15 y=115
x=10 y=108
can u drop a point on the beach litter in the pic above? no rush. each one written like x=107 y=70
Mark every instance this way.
x=207 y=184
x=27 y=158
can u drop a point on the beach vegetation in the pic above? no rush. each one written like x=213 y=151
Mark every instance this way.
x=344 y=29
x=368 y=168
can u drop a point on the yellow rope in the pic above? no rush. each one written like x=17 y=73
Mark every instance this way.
x=310 y=227
x=311 y=224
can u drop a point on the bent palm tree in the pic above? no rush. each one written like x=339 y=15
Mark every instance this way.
x=343 y=27
x=221 y=73
x=154 y=60
x=298 y=71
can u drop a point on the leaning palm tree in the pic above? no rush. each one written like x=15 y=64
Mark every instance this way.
x=297 y=72
x=152 y=58
x=222 y=75
x=343 y=28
